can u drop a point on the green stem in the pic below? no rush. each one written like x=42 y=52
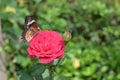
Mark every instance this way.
x=52 y=69
x=50 y=73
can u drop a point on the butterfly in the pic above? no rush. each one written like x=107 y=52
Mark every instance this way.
x=31 y=28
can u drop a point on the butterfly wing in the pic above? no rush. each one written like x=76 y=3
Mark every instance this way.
x=30 y=29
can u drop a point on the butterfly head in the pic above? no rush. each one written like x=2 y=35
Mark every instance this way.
x=29 y=20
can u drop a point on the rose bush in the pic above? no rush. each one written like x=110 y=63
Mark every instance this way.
x=47 y=46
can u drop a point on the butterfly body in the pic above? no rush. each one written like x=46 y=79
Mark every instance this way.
x=30 y=29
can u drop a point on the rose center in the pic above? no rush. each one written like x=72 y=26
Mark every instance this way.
x=47 y=48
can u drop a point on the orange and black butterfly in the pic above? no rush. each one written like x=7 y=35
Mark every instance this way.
x=30 y=29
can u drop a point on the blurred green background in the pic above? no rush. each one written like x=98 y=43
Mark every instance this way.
x=93 y=53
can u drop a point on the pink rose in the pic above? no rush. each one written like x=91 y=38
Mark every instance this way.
x=47 y=46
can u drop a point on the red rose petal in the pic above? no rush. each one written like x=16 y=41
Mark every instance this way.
x=47 y=45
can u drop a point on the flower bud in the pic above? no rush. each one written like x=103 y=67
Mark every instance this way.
x=67 y=36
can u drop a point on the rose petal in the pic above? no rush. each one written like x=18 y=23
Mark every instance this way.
x=46 y=59
x=47 y=45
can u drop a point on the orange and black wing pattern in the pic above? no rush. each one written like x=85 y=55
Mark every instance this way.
x=30 y=29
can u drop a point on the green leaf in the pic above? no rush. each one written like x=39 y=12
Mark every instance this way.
x=62 y=78
x=88 y=71
x=37 y=69
x=33 y=72
x=23 y=75
x=104 y=69
x=46 y=75
x=118 y=76
x=38 y=77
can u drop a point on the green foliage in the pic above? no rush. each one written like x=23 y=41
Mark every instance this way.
x=93 y=52
x=33 y=72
